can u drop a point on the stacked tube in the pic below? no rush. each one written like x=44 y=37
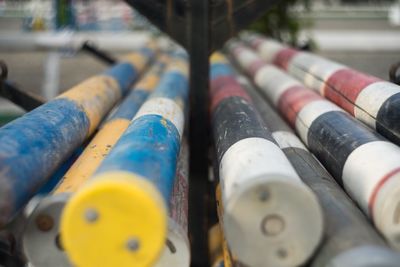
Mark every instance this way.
x=177 y=248
x=363 y=162
x=35 y=145
x=349 y=239
x=42 y=244
x=371 y=100
x=285 y=219
x=130 y=191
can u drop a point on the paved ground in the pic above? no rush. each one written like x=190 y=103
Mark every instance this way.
x=27 y=69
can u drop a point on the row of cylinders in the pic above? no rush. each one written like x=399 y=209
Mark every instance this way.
x=124 y=199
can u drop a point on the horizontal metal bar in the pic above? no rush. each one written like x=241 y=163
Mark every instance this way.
x=21 y=98
x=103 y=56
x=225 y=20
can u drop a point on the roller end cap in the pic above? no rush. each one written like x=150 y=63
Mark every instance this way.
x=118 y=219
x=285 y=220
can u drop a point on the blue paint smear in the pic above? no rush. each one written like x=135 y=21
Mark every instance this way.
x=173 y=85
x=33 y=147
x=147 y=52
x=55 y=179
x=179 y=54
x=125 y=74
x=130 y=105
x=220 y=69
x=150 y=149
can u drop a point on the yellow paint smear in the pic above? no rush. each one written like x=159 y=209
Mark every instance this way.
x=138 y=60
x=96 y=96
x=91 y=158
x=215 y=245
x=220 y=210
x=148 y=83
x=179 y=65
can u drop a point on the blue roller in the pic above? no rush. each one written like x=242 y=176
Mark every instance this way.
x=34 y=146
x=131 y=189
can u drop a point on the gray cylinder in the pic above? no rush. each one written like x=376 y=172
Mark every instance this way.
x=350 y=240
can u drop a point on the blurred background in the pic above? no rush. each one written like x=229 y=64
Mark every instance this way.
x=40 y=39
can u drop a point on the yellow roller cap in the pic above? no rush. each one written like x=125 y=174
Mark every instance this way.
x=118 y=219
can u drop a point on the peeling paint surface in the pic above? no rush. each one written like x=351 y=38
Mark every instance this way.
x=34 y=146
x=149 y=148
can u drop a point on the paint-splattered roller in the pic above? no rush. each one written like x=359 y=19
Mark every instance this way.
x=42 y=243
x=215 y=246
x=350 y=240
x=177 y=249
x=119 y=218
x=285 y=220
x=33 y=146
x=371 y=100
x=363 y=162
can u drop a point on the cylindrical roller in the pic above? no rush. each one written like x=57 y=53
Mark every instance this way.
x=34 y=146
x=271 y=218
x=177 y=249
x=130 y=191
x=371 y=100
x=350 y=240
x=363 y=162
x=42 y=243
x=215 y=246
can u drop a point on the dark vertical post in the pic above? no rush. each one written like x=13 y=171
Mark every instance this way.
x=199 y=47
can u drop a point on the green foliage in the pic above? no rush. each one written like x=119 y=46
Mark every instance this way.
x=279 y=23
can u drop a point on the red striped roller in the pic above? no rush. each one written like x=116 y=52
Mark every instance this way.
x=363 y=162
x=371 y=100
x=271 y=218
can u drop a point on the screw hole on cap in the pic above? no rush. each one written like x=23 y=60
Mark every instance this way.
x=282 y=253
x=272 y=225
x=91 y=215
x=133 y=244
x=171 y=246
x=44 y=222
x=263 y=195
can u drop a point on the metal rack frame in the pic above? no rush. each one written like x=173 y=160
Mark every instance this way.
x=201 y=26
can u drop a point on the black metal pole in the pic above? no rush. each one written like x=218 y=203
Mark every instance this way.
x=198 y=33
x=19 y=97
x=105 y=57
